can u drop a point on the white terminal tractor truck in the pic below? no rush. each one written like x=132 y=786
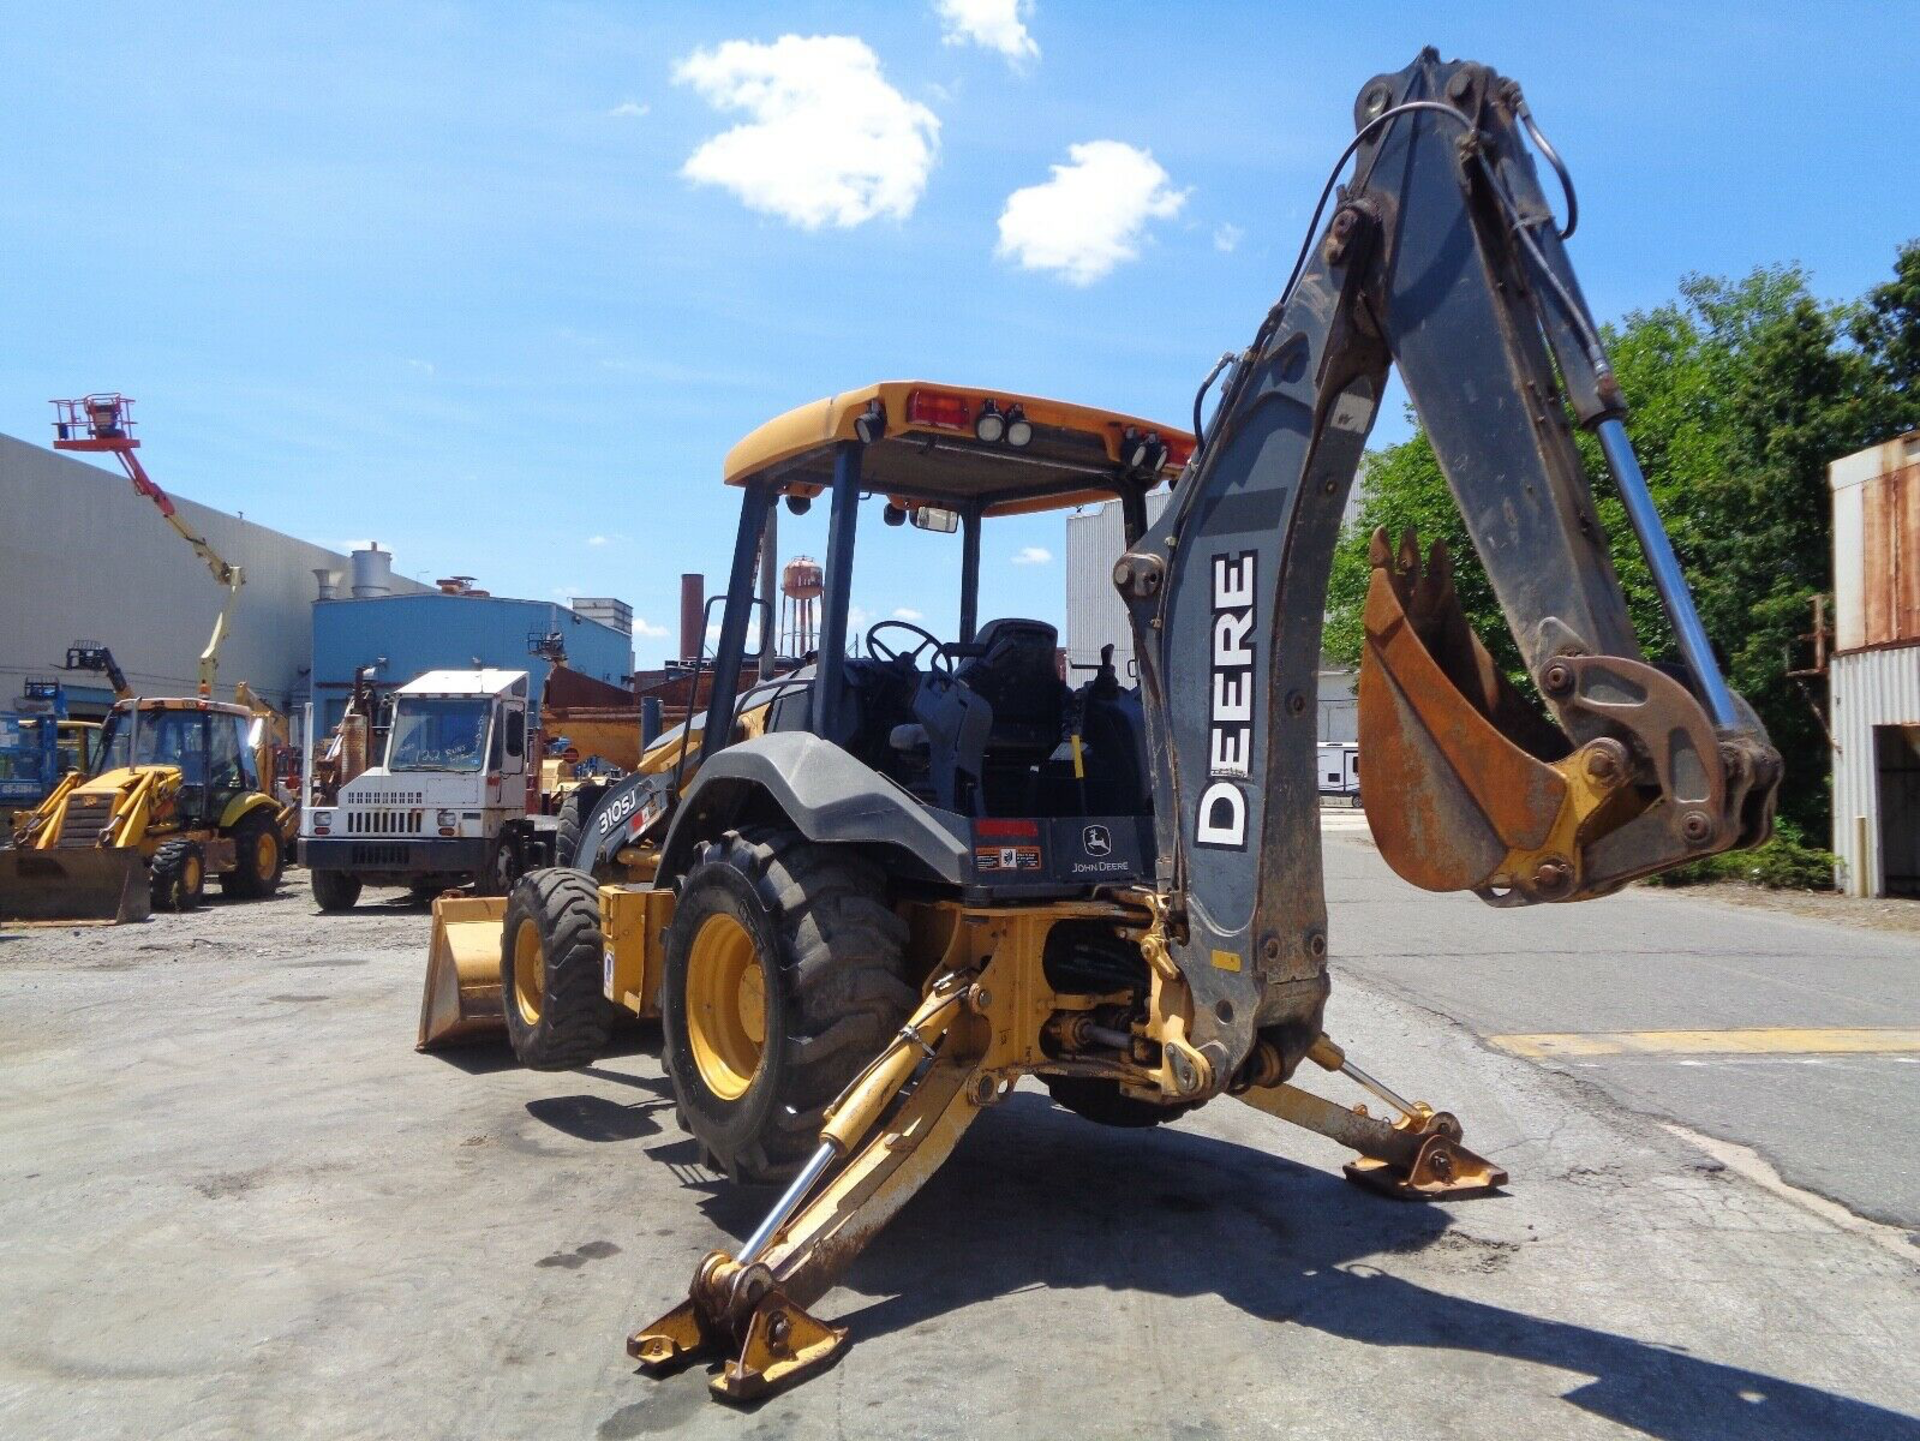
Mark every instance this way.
x=449 y=802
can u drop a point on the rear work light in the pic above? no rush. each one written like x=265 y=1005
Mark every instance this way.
x=940 y=409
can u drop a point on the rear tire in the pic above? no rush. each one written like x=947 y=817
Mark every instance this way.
x=551 y=981
x=502 y=868
x=574 y=811
x=785 y=974
x=259 y=858
x=178 y=875
x=335 y=890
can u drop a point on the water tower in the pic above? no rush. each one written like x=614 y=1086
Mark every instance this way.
x=802 y=583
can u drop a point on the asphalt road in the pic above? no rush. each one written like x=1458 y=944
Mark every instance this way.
x=237 y=1204
x=1843 y=1122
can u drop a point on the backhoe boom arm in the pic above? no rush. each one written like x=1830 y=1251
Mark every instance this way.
x=1441 y=258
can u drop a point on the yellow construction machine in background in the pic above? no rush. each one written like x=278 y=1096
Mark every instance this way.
x=175 y=796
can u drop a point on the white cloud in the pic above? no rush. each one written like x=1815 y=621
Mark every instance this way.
x=1090 y=217
x=1227 y=237
x=568 y=592
x=907 y=612
x=992 y=25
x=423 y=367
x=644 y=627
x=829 y=141
x=596 y=540
x=1032 y=555
x=629 y=110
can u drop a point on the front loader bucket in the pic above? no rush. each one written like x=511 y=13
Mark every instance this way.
x=97 y=887
x=462 y=1000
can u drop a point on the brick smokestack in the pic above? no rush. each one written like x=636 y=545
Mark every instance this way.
x=693 y=599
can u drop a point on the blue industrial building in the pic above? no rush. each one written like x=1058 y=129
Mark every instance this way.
x=404 y=635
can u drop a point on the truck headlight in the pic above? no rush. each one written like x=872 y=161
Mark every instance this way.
x=322 y=822
x=446 y=818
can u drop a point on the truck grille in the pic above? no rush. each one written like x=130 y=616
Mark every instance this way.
x=373 y=856
x=386 y=823
x=87 y=817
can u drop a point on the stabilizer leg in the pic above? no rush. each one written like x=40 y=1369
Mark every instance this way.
x=1417 y=1157
x=751 y=1310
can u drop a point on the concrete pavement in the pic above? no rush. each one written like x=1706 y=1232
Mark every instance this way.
x=1844 y=1124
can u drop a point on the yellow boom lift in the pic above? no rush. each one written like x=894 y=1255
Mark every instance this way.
x=869 y=898
x=178 y=790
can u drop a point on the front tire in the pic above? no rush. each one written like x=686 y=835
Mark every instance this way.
x=259 y=858
x=551 y=986
x=178 y=875
x=335 y=890
x=785 y=975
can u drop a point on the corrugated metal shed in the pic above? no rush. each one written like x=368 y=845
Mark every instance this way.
x=1874 y=691
x=1874 y=676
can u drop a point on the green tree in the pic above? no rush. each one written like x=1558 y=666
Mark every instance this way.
x=1739 y=394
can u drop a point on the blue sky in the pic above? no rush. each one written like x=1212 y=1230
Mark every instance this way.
x=451 y=275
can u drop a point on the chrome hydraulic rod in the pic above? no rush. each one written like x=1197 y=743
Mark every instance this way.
x=1380 y=1089
x=1668 y=578
x=790 y=1201
x=1329 y=1056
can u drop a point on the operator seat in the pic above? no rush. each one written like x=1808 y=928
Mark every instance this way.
x=1017 y=673
x=980 y=731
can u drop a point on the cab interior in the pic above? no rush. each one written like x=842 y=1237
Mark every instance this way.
x=982 y=723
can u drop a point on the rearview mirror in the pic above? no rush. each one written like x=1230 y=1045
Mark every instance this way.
x=932 y=517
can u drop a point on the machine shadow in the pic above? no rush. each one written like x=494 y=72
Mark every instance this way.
x=1036 y=1197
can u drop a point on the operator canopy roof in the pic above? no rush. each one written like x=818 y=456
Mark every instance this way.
x=939 y=448
x=160 y=703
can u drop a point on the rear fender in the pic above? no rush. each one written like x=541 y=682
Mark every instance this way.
x=821 y=791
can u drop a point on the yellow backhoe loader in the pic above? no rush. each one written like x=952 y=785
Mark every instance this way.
x=174 y=796
x=868 y=899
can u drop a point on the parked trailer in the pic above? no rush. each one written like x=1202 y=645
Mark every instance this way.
x=1340 y=770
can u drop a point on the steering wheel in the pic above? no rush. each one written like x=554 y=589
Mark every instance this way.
x=928 y=641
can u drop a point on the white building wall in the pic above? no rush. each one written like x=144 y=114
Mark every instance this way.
x=1869 y=688
x=1872 y=687
x=83 y=557
x=1096 y=616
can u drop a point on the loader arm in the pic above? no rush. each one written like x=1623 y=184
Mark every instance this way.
x=1441 y=257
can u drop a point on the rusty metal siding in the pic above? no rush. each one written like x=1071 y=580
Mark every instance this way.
x=1876 y=544
x=1869 y=688
x=1890 y=581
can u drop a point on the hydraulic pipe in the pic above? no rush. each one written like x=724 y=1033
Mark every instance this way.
x=789 y=1202
x=1668 y=578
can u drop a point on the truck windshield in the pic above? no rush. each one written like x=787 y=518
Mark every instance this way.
x=438 y=735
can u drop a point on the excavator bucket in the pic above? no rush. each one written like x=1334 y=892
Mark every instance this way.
x=462 y=1000
x=82 y=885
x=1467 y=763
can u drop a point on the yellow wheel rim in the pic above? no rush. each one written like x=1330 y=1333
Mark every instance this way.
x=190 y=875
x=529 y=973
x=265 y=852
x=726 y=1006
